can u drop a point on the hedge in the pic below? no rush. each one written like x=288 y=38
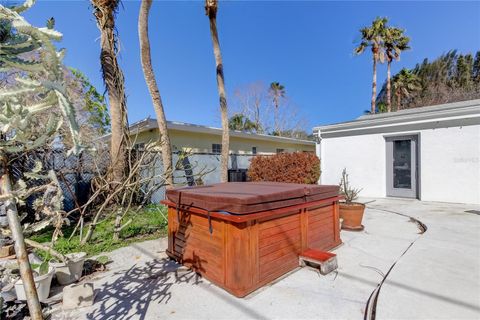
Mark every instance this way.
x=297 y=167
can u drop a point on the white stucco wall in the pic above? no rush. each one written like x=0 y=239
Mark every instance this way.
x=448 y=158
x=362 y=156
x=450 y=165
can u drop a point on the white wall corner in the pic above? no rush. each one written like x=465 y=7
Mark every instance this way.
x=318 y=152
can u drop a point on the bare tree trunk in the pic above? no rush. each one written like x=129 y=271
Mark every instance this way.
x=153 y=88
x=275 y=116
x=114 y=82
x=258 y=126
x=117 y=225
x=20 y=248
x=397 y=94
x=389 y=88
x=212 y=15
x=374 y=85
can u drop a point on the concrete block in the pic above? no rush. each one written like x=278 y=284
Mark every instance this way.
x=78 y=295
x=326 y=262
x=328 y=266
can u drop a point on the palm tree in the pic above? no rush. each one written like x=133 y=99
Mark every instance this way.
x=153 y=88
x=373 y=37
x=277 y=91
x=395 y=43
x=236 y=122
x=104 y=12
x=240 y=122
x=211 y=7
x=404 y=83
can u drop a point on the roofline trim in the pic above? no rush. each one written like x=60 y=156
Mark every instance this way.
x=150 y=123
x=464 y=109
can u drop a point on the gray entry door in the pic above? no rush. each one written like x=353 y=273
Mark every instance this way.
x=402 y=166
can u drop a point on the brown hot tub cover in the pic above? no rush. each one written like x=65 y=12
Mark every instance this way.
x=249 y=197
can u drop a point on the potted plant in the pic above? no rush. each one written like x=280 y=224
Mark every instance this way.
x=350 y=211
x=42 y=276
x=70 y=270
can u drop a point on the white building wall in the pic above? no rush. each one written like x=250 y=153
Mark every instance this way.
x=448 y=157
x=450 y=165
x=364 y=158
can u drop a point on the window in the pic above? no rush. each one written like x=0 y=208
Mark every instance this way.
x=254 y=150
x=216 y=148
x=280 y=150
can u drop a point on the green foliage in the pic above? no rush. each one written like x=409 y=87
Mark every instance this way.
x=451 y=77
x=476 y=68
x=32 y=110
x=381 y=107
x=240 y=122
x=463 y=76
x=94 y=103
x=51 y=23
x=277 y=90
x=42 y=268
x=103 y=259
x=18 y=116
x=297 y=167
x=395 y=42
x=404 y=84
x=149 y=223
x=373 y=37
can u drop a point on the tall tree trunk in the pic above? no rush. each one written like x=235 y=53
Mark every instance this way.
x=153 y=88
x=397 y=94
x=257 y=118
x=374 y=84
x=20 y=248
x=275 y=116
x=114 y=82
x=212 y=15
x=389 y=88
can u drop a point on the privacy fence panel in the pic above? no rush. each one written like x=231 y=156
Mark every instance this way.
x=75 y=173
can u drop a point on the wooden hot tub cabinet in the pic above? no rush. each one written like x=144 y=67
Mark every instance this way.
x=242 y=253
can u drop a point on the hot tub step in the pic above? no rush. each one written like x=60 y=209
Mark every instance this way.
x=325 y=261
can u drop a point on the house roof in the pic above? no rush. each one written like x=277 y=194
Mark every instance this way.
x=437 y=116
x=149 y=123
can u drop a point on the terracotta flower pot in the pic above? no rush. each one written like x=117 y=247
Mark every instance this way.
x=352 y=215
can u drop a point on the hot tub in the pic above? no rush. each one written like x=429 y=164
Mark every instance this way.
x=241 y=236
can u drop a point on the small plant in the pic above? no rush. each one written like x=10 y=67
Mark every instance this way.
x=41 y=268
x=103 y=259
x=346 y=190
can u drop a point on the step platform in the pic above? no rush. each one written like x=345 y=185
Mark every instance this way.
x=326 y=262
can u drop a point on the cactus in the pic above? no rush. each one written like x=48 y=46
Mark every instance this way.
x=39 y=87
x=17 y=118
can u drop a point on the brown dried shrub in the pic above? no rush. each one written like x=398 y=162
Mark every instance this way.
x=297 y=167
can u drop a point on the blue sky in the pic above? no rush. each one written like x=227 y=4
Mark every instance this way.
x=307 y=46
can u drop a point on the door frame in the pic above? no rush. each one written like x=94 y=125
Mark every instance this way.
x=415 y=156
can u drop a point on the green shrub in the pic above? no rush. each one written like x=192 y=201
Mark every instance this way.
x=297 y=167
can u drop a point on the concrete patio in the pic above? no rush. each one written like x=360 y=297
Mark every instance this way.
x=434 y=275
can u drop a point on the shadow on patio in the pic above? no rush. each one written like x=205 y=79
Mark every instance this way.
x=131 y=294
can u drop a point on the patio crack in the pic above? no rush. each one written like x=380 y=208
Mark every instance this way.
x=371 y=307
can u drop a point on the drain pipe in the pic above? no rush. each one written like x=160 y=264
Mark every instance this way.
x=371 y=307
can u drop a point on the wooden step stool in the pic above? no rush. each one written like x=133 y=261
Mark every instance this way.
x=326 y=261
